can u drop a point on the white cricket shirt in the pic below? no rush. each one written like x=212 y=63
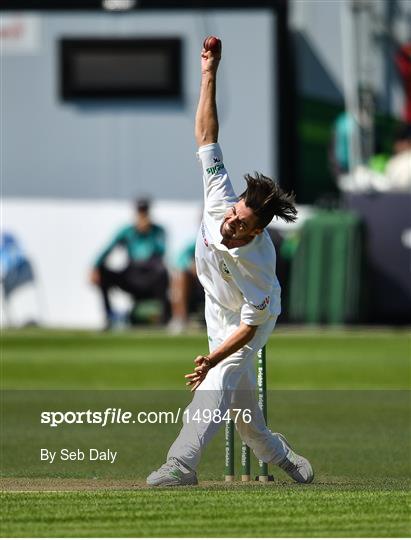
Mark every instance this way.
x=241 y=279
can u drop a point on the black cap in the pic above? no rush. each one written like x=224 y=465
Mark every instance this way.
x=143 y=204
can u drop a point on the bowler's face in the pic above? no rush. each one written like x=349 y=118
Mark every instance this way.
x=239 y=223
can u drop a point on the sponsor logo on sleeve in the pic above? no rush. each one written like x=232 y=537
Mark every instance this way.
x=216 y=159
x=263 y=304
x=215 y=169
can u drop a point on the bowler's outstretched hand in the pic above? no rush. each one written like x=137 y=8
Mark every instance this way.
x=210 y=57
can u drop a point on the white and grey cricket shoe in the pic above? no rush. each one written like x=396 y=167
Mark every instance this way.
x=298 y=467
x=173 y=473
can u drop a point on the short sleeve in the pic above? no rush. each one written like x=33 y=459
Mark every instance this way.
x=119 y=239
x=217 y=184
x=159 y=244
x=254 y=315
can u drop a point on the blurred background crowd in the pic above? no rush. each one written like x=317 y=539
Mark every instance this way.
x=101 y=189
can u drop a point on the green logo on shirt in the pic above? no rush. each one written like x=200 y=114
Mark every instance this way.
x=215 y=169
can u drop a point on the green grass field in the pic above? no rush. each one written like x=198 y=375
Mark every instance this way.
x=342 y=398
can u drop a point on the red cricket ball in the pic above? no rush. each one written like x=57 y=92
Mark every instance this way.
x=212 y=43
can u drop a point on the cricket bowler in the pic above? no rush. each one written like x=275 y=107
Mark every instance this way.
x=235 y=261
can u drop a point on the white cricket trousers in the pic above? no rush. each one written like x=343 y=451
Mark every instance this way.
x=230 y=385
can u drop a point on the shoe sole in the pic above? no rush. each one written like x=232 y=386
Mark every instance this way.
x=171 y=483
x=281 y=436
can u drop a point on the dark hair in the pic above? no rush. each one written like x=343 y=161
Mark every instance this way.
x=267 y=199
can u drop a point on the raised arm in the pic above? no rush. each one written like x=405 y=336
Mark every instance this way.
x=206 y=122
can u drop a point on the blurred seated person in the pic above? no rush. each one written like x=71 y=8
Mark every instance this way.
x=398 y=169
x=145 y=275
x=17 y=275
x=186 y=290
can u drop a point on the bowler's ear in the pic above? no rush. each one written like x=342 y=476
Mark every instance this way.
x=257 y=232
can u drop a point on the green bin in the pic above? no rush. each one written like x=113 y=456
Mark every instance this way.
x=327 y=270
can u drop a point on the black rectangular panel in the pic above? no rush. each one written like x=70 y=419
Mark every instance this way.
x=101 y=68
